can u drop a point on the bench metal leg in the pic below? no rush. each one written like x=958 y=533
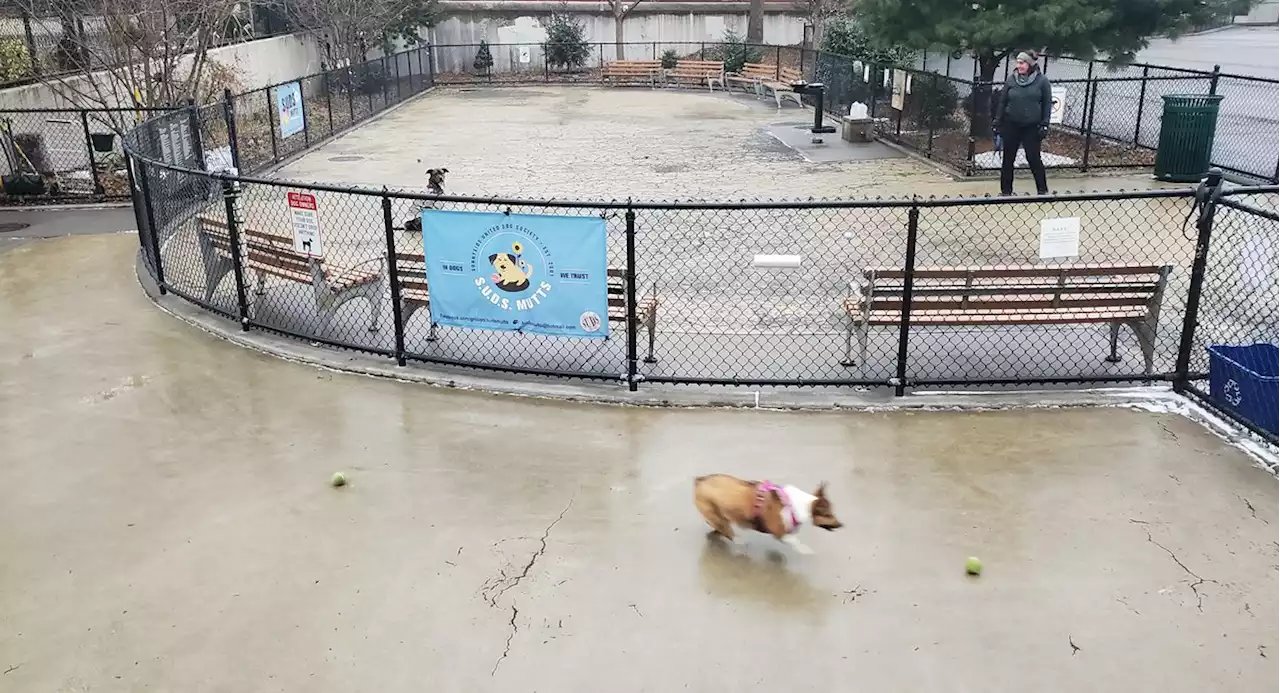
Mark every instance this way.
x=1145 y=331
x=1114 y=357
x=407 y=309
x=651 y=323
x=848 y=361
x=261 y=290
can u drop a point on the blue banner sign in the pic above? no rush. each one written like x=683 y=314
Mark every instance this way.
x=289 y=108
x=517 y=272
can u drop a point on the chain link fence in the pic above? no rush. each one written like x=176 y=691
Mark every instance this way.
x=899 y=294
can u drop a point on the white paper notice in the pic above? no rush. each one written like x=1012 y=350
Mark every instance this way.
x=306 y=228
x=1060 y=237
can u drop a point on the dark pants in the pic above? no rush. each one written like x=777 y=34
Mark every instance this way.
x=1027 y=137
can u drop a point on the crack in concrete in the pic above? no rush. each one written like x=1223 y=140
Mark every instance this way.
x=1252 y=510
x=506 y=649
x=1195 y=586
x=1074 y=647
x=494 y=588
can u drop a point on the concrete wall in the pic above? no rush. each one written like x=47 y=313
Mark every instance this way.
x=1264 y=13
x=650 y=27
x=258 y=63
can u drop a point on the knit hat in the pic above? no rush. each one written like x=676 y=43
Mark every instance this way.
x=1027 y=57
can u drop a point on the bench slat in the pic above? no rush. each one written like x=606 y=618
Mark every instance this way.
x=992 y=271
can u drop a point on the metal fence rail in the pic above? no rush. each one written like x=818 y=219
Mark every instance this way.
x=720 y=319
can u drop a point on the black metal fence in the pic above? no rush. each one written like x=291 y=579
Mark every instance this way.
x=64 y=154
x=1111 y=117
x=697 y=308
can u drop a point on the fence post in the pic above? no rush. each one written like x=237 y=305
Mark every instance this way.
x=271 y=125
x=151 y=226
x=393 y=275
x=1142 y=101
x=1090 y=96
x=88 y=150
x=631 y=298
x=229 y=115
x=431 y=63
x=655 y=50
x=351 y=95
x=929 y=151
x=777 y=63
x=237 y=265
x=395 y=64
x=702 y=54
x=870 y=70
x=368 y=92
x=897 y=132
x=197 y=141
x=385 y=75
x=328 y=95
x=546 y=64
x=31 y=43
x=1213 y=81
x=908 y=282
x=1182 y=369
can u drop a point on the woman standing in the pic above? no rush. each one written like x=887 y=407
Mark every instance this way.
x=1022 y=120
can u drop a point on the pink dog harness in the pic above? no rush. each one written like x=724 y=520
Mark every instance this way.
x=762 y=492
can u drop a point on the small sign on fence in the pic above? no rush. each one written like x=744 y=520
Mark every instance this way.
x=306 y=227
x=289 y=106
x=1059 y=104
x=525 y=57
x=1059 y=237
x=899 y=89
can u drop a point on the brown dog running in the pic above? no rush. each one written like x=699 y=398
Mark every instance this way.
x=726 y=501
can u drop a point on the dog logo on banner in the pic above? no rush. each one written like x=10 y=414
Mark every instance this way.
x=505 y=274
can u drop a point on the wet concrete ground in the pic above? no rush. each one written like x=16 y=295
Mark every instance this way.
x=169 y=526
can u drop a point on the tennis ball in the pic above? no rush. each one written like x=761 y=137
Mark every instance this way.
x=339 y=479
x=973 y=565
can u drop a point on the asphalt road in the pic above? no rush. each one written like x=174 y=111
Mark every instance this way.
x=51 y=223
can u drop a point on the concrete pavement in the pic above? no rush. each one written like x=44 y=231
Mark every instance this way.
x=169 y=526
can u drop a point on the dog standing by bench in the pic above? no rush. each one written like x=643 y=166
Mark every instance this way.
x=435 y=186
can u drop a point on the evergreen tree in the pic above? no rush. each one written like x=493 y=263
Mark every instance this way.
x=484 y=59
x=566 y=39
x=992 y=29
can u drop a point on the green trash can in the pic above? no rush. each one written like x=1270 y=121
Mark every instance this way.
x=1186 y=136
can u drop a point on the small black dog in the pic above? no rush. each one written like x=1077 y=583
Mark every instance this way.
x=435 y=186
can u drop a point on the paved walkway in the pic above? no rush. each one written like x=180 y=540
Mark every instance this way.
x=168 y=526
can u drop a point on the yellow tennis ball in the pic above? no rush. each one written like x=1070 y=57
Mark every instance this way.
x=973 y=565
x=339 y=479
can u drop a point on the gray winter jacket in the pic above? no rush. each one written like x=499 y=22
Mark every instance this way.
x=1025 y=105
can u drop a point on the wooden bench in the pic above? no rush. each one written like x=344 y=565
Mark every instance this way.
x=272 y=254
x=1011 y=295
x=750 y=76
x=632 y=71
x=411 y=270
x=697 y=72
x=780 y=85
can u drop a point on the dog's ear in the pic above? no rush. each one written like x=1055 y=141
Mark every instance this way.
x=492 y=258
x=822 y=490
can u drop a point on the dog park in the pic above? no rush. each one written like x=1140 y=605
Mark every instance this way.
x=1027 y=380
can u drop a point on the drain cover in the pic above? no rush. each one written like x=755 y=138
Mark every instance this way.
x=10 y=227
x=346 y=158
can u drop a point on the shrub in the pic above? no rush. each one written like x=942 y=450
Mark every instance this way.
x=932 y=102
x=669 y=59
x=484 y=59
x=566 y=40
x=15 y=61
x=847 y=37
x=734 y=52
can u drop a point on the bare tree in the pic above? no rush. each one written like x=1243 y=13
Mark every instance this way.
x=351 y=27
x=133 y=53
x=755 y=22
x=818 y=12
x=621 y=10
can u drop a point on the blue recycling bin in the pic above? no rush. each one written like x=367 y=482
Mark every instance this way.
x=1246 y=380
